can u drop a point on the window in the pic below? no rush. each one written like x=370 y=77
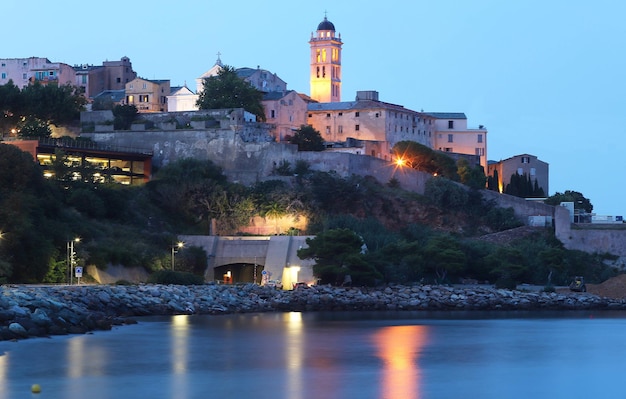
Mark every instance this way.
x=533 y=171
x=357 y=113
x=450 y=138
x=357 y=127
x=520 y=171
x=4 y=75
x=323 y=71
x=480 y=138
x=24 y=76
x=377 y=114
x=143 y=98
x=118 y=80
x=130 y=86
x=272 y=114
x=341 y=114
x=327 y=129
x=328 y=115
x=448 y=149
x=525 y=159
x=3 y=64
x=318 y=72
x=339 y=129
x=310 y=115
x=84 y=79
x=480 y=151
x=450 y=124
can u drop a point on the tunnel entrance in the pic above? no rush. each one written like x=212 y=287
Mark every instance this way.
x=237 y=273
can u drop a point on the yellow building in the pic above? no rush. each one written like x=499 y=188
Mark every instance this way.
x=148 y=95
x=325 y=63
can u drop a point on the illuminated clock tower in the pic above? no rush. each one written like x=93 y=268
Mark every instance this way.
x=325 y=63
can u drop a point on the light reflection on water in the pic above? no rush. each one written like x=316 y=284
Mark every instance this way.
x=399 y=347
x=328 y=355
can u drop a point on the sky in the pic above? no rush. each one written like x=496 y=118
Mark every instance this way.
x=546 y=78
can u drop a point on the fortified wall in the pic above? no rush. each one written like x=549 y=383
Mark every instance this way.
x=248 y=154
x=244 y=150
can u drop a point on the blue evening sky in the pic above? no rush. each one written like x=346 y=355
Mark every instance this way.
x=546 y=78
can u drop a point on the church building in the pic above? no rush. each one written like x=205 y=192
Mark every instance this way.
x=326 y=63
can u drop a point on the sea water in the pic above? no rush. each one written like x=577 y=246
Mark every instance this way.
x=408 y=355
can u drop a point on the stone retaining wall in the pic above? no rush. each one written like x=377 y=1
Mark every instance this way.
x=27 y=311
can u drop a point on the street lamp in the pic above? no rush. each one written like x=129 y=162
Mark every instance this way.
x=179 y=245
x=71 y=258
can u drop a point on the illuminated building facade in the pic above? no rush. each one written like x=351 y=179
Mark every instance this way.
x=452 y=135
x=325 y=63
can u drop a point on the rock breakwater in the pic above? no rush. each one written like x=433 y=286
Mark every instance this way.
x=37 y=311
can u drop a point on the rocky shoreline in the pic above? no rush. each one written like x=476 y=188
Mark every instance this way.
x=40 y=311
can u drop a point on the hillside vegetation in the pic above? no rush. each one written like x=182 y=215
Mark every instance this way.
x=402 y=237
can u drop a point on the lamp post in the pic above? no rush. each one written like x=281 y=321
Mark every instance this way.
x=71 y=258
x=179 y=245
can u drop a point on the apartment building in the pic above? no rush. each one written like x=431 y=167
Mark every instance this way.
x=369 y=119
x=285 y=112
x=111 y=75
x=148 y=95
x=23 y=71
x=452 y=135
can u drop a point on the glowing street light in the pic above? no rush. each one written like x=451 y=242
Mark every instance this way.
x=179 y=245
x=71 y=258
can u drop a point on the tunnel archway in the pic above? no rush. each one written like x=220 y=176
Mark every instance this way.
x=239 y=273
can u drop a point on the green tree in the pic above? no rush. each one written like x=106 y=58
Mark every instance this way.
x=493 y=182
x=53 y=104
x=28 y=206
x=507 y=266
x=338 y=252
x=444 y=256
x=308 y=139
x=579 y=200
x=425 y=159
x=446 y=193
x=228 y=90
x=472 y=176
x=123 y=116
x=523 y=186
x=35 y=107
x=11 y=106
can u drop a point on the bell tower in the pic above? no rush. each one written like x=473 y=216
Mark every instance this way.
x=325 y=63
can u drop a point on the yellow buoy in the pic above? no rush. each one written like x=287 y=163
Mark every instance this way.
x=35 y=388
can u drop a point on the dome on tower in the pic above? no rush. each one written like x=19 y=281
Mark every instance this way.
x=326 y=25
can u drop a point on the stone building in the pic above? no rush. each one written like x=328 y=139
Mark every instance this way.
x=285 y=112
x=369 y=119
x=325 y=63
x=524 y=164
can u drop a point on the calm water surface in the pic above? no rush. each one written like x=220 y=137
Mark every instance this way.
x=330 y=355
